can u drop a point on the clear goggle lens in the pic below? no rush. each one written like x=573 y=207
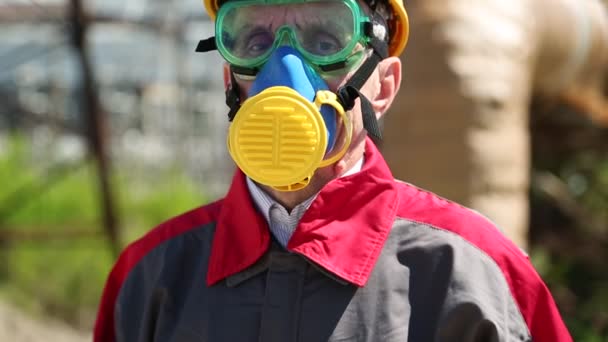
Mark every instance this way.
x=325 y=32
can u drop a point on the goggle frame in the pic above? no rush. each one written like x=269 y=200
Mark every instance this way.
x=285 y=32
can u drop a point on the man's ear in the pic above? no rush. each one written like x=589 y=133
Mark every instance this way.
x=227 y=80
x=389 y=81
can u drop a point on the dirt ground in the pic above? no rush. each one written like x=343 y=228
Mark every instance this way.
x=16 y=326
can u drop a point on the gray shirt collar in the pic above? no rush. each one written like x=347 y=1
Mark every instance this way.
x=282 y=224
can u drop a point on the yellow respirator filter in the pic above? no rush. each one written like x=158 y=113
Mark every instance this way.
x=278 y=138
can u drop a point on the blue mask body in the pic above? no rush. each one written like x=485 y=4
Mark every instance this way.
x=286 y=67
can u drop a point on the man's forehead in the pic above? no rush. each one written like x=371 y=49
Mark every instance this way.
x=275 y=16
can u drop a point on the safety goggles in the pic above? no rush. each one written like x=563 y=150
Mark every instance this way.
x=325 y=32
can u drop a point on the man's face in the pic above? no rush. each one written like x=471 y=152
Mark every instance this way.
x=271 y=17
x=321 y=28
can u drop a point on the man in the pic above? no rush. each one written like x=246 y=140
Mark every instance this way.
x=315 y=240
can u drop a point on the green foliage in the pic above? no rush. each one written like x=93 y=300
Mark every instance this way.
x=145 y=205
x=64 y=276
x=58 y=278
x=573 y=260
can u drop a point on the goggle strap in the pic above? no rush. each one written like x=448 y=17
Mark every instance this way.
x=233 y=97
x=379 y=46
x=206 y=45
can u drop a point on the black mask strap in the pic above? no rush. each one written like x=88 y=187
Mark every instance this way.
x=348 y=93
x=206 y=45
x=233 y=97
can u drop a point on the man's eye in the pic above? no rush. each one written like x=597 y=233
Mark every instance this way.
x=322 y=43
x=258 y=43
x=328 y=47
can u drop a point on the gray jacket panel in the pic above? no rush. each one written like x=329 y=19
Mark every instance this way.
x=427 y=285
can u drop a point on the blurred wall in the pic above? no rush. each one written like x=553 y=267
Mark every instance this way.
x=460 y=124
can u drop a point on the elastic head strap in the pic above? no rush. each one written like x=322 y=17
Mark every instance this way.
x=233 y=96
x=206 y=45
x=380 y=52
x=351 y=90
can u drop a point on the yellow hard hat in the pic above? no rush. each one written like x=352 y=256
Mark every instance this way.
x=399 y=25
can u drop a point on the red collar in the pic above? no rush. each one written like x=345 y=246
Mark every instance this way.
x=343 y=230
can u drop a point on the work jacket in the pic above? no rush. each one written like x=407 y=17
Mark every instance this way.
x=372 y=259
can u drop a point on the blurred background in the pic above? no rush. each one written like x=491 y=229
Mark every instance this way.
x=110 y=123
